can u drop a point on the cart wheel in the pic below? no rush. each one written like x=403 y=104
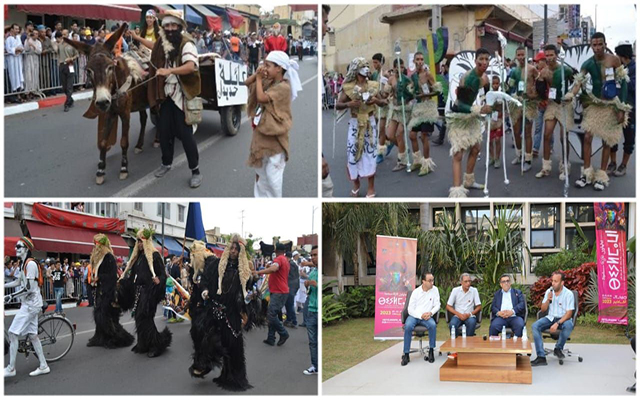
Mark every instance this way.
x=561 y=362
x=580 y=359
x=231 y=117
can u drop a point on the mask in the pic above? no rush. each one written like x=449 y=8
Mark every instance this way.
x=21 y=249
x=173 y=36
x=396 y=277
x=364 y=71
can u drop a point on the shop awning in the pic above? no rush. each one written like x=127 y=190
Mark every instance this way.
x=121 y=12
x=192 y=15
x=70 y=240
x=235 y=19
x=173 y=247
x=73 y=219
x=10 y=245
x=214 y=21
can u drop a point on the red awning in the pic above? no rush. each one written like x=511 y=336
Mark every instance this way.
x=10 y=245
x=70 y=240
x=235 y=19
x=72 y=219
x=122 y=12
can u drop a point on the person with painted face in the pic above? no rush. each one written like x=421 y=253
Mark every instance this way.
x=272 y=89
x=361 y=96
x=25 y=323
x=175 y=92
x=465 y=124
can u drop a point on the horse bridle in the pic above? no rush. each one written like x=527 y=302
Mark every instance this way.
x=120 y=90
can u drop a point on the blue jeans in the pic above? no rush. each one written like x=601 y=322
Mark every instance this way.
x=470 y=323
x=515 y=323
x=537 y=136
x=305 y=311
x=312 y=332
x=411 y=323
x=543 y=324
x=276 y=302
x=58 y=291
x=290 y=306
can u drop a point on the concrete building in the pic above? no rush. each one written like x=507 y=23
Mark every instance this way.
x=297 y=20
x=547 y=228
x=368 y=31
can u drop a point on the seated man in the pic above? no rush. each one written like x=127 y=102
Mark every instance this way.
x=423 y=306
x=508 y=309
x=559 y=302
x=464 y=304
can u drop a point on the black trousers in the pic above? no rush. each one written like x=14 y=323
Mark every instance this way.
x=66 y=80
x=171 y=126
x=629 y=134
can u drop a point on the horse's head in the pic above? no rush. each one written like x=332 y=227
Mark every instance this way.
x=101 y=66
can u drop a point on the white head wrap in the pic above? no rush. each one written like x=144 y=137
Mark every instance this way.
x=291 y=67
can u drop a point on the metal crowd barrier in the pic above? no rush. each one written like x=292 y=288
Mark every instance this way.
x=48 y=293
x=49 y=76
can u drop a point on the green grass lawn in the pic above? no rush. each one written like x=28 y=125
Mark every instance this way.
x=350 y=342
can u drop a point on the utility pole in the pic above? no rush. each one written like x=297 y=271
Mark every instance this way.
x=242 y=223
x=162 y=250
x=436 y=17
x=546 y=28
x=313 y=212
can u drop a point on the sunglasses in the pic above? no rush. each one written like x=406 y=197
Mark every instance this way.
x=20 y=246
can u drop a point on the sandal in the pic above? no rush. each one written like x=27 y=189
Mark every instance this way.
x=354 y=193
x=370 y=196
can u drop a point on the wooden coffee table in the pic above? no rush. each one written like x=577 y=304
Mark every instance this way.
x=487 y=361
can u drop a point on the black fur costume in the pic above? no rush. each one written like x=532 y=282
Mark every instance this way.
x=216 y=327
x=109 y=333
x=142 y=296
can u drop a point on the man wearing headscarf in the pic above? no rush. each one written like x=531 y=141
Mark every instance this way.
x=361 y=96
x=271 y=90
x=106 y=313
x=142 y=287
x=275 y=42
x=224 y=302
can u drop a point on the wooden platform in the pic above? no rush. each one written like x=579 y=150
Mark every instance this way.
x=481 y=360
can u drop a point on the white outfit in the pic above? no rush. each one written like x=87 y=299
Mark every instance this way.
x=366 y=166
x=269 y=183
x=301 y=296
x=422 y=302
x=462 y=302
x=14 y=62
x=26 y=320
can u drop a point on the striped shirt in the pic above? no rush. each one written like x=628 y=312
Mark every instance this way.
x=172 y=86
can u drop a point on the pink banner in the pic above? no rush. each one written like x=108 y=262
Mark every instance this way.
x=611 y=245
x=395 y=277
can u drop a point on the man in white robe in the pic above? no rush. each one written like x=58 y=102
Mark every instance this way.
x=14 y=48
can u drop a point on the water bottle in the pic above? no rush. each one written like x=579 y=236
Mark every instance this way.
x=453 y=332
x=464 y=331
x=524 y=335
x=504 y=332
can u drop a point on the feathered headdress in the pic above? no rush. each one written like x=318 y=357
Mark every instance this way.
x=244 y=269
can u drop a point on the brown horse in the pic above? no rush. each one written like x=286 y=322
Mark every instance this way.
x=113 y=80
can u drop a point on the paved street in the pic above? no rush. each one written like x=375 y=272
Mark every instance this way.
x=50 y=153
x=436 y=184
x=98 y=371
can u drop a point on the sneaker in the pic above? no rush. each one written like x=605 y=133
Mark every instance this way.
x=39 y=371
x=558 y=353
x=497 y=164
x=527 y=166
x=516 y=161
x=405 y=359
x=389 y=148
x=195 y=181
x=282 y=340
x=611 y=168
x=582 y=182
x=399 y=167
x=539 y=361
x=162 y=170
x=379 y=159
x=598 y=185
x=621 y=171
x=9 y=373
x=268 y=342
x=310 y=371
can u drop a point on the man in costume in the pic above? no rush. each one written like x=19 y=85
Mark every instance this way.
x=605 y=113
x=25 y=323
x=424 y=114
x=224 y=302
x=624 y=50
x=465 y=124
x=106 y=313
x=142 y=287
x=558 y=109
x=175 y=91
x=384 y=144
x=401 y=89
x=361 y=96
x=516 y=87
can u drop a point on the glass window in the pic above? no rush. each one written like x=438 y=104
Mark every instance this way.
x=474 y=219
x=440 y=213
x=159 y=210
x=572 y=234
x=511 y=211
x=544 y=226
x=181 y=213
x=580 y=212
x=347 y=267
x=137 y=206
x=167 y=210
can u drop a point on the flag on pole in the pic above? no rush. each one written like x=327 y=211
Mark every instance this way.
x=195 y=228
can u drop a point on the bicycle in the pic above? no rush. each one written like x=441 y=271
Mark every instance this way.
x=56 y=334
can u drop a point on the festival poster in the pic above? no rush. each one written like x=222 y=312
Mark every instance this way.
x=395 y=277
x=611 y=245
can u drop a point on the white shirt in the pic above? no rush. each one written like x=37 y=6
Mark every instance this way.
x=171 y=84
x=462 y=302
x=560 y=304
x=507 y=304
x=422 y=302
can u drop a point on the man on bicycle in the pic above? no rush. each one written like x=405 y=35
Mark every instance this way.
x=26 y=320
